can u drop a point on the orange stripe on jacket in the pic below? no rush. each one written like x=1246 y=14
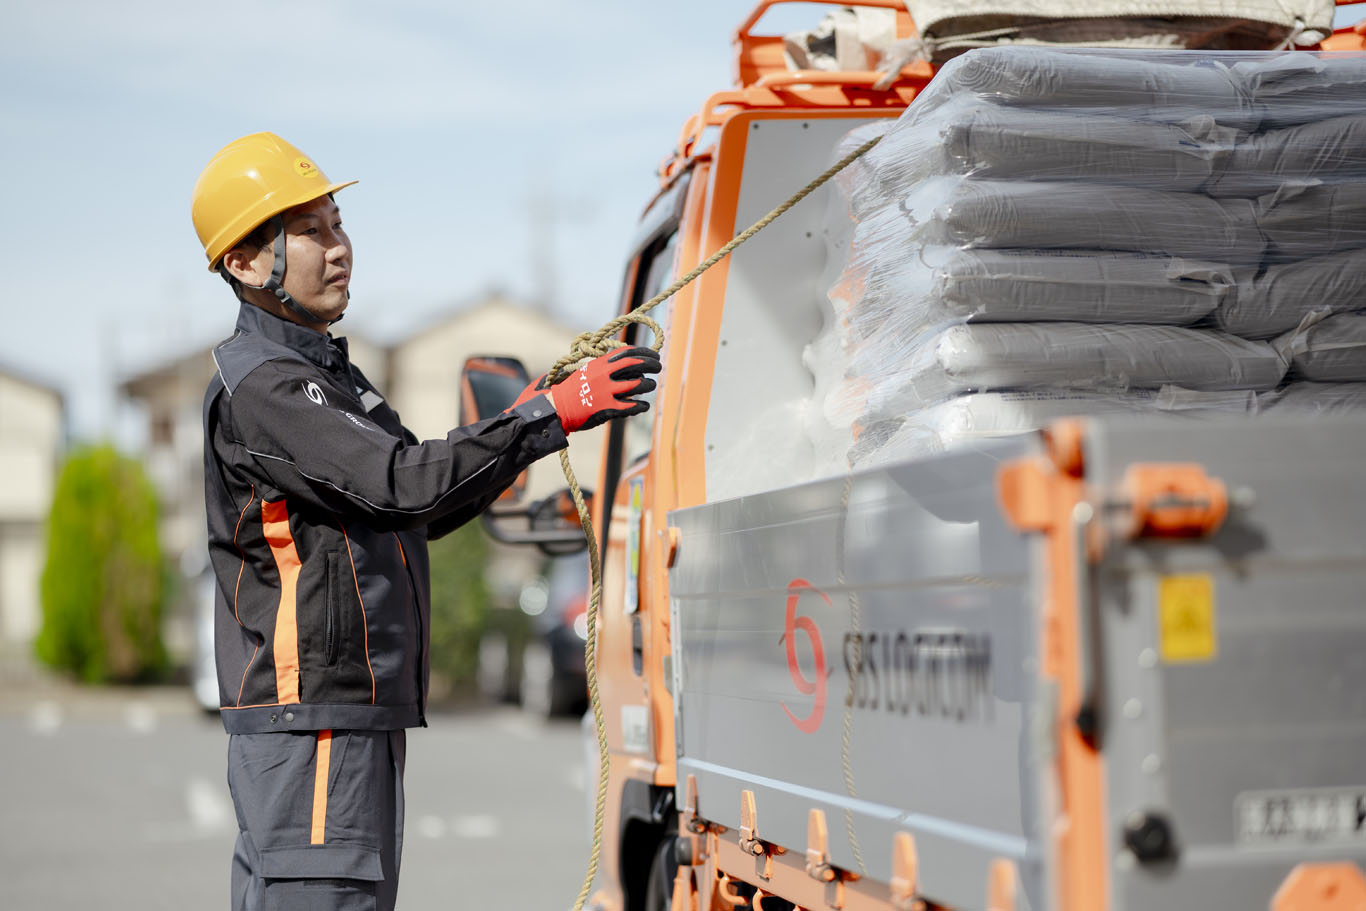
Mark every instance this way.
x=320 y=773
x=275 y=519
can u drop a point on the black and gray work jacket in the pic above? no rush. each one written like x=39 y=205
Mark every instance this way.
x=320 y=504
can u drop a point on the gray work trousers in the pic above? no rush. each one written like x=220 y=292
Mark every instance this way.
x=320 y=819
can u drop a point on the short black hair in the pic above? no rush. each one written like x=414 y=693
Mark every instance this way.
x=261 y=236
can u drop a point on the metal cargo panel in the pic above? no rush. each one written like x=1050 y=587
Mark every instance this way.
x=1231 y=669
x=865 y=646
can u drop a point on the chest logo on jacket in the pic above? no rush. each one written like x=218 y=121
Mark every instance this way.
x=315 y=395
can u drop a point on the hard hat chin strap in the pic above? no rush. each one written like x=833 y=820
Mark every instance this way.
x=275 y=283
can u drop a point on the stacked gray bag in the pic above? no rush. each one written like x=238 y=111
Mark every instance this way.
x=1049 y=232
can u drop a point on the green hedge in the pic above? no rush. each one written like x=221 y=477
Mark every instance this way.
x=104 y=584
x=460 y=600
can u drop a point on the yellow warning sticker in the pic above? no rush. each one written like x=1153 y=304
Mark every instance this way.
x=305 y=168
x=1187 y=629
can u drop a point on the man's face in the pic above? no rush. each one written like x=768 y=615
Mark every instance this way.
x=317 y=257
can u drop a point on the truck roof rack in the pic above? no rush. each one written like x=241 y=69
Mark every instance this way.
x=762 y=80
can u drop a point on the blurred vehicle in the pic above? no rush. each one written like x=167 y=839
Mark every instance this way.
x=535 y=655
x=203 y=671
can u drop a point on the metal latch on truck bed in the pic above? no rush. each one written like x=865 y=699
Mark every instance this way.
x=1153 y=500
x=1049 y=494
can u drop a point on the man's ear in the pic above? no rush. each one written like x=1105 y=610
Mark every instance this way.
x=242 y=267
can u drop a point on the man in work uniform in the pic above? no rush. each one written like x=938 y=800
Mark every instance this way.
x=320 y=505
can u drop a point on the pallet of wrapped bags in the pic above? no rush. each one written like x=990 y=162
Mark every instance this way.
x=1113 y=222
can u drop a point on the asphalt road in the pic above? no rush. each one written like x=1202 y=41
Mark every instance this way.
x=118 y=801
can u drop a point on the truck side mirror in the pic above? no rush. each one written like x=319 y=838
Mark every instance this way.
x=557 y=516
x=489 y=385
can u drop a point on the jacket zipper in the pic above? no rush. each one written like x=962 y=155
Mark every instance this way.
x=417 y=616
x=330 y=619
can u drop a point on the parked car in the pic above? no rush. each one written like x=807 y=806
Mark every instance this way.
x=535 y=657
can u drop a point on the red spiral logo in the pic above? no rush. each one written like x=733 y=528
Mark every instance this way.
x=813 y=687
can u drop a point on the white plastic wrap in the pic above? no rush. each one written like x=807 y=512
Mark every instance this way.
x=990 y=356
x=1332 y=350
x=950 y=284
x=1256 y=164
x=1315 y=398
x=1157 y=86
x=998 y=141
x=973 y=418
x=1288 y=89
x=1048 y=215
x=1279 y=299
x=1104 y=223
x=1301 y=220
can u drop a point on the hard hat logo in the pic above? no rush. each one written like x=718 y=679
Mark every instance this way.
x=305 y=168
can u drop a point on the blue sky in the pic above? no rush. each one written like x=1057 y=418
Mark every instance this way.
x=456 y=118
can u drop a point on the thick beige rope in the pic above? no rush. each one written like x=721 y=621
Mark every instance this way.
x=595 y=344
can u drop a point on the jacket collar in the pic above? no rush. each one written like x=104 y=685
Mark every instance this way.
x=324 y=350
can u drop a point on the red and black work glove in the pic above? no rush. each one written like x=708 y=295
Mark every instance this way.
x=603 y=388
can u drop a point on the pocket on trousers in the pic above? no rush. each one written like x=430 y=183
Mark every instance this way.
x=320 y=878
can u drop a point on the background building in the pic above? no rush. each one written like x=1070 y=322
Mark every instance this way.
x=32 y=437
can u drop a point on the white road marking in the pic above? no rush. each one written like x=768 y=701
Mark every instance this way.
x=475 y=825
x=431 y=826
x=518 y=724
x=141 y=717
x=208 y=807
x=45 y=718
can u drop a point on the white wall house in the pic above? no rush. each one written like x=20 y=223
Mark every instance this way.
x=32 y=437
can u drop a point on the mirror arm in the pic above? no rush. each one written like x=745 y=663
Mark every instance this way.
x=552 y=536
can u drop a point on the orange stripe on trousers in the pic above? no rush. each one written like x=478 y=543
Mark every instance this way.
x=275 y=519
x=320 y=786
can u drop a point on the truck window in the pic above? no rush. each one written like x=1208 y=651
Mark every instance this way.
x=658 y=274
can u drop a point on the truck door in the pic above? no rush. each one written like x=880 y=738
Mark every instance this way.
x=623 y=644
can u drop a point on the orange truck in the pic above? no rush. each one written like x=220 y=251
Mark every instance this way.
x=1115 y=664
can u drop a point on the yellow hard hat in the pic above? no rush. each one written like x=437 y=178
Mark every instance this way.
x=249 y=181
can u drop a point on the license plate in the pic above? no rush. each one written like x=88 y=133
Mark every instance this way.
x=1309 y=816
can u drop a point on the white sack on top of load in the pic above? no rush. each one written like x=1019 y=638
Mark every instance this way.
x=977 y=357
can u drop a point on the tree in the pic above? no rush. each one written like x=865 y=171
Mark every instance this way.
x=104 y=584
